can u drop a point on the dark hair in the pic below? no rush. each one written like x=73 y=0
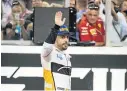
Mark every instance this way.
x=9 y=25
x=93 y=6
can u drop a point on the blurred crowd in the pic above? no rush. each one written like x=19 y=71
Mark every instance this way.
x=119 y=13
x=90 y=29
x=91 y=17
x=17 y=19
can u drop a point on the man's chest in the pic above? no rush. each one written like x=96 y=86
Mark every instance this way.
x=61 y=58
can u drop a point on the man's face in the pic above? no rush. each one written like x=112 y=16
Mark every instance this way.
x=124 y=6
x=72 y=3
x=62 y=42
x=36 y=3
x=92 y=16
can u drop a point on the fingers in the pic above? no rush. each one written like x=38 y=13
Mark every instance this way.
x=64 y=19
x=58 y=18
x=59 y=14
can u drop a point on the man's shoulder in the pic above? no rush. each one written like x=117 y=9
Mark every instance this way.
x=100 y=21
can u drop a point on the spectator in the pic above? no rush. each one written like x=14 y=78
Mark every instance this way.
x=45 y=4
x=37 y=3
x=17 y=17
x=30 y=19
x=115 y=9
x=91 y=27
x=120 y=18
x=101 y=4
x=72 y=3
x=56 y=5
x=18 y=8
x=26 y=12
x=9 y=33
x=81 y=8
x=26 y=3
x=28 y=29
x=6 y=10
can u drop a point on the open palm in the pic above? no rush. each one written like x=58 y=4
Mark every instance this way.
x=58 y=18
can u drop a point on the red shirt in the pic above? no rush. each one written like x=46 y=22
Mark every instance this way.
x=88 y=32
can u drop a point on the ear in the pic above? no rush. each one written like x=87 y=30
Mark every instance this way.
x=57 y=37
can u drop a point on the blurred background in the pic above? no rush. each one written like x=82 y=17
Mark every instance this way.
x=27 y=22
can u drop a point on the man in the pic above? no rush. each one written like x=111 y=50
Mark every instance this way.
x=37 y=3
x=55 y=62
x=81 y=8
x=91 y=28
x=120 y=18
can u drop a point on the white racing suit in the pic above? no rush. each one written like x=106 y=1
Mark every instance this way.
x=56 y=65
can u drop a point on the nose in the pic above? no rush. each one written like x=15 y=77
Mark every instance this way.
x=66 y=38
x=92 y=16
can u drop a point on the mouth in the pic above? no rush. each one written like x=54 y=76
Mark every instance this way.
x=65 y=44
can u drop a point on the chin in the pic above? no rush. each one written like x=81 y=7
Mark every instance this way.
x=92 y=22
x=64 y=48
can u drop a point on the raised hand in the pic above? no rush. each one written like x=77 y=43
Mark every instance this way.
x=58 y=18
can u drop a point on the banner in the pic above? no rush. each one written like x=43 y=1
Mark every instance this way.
x=89 y=72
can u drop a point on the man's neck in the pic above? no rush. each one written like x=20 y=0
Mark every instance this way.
x=57 y=47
